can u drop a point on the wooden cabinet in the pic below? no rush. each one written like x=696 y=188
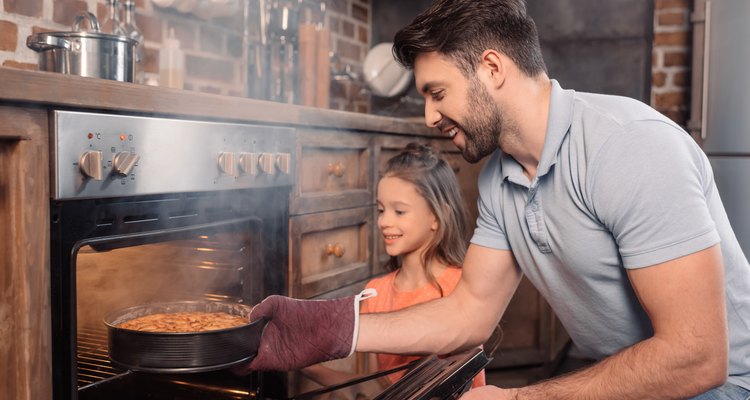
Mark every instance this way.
x=24 y=254
x=331 y=211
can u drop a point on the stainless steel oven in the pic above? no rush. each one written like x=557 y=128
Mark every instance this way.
x=147 y=210
x=150 y=210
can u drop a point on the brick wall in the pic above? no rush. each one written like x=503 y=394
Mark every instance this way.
x=671 y=59
x=349 y=22
x=215 y=52
x=214 y=49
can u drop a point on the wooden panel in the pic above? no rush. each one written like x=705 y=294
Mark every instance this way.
x=334 y=171
x=24 y=255
x=329 y=250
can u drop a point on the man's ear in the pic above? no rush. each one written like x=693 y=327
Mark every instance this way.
x=495 y=66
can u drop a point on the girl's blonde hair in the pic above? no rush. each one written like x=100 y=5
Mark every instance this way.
x=436 y=182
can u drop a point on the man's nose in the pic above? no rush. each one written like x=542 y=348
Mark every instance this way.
x=431 y=116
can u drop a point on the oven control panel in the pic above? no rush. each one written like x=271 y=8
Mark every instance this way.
x=104 y=155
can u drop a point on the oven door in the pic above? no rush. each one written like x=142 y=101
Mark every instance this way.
x=110 y=254
x=426 y=379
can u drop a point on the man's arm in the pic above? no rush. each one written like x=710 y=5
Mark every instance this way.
x=463 y=319
x=687 y=355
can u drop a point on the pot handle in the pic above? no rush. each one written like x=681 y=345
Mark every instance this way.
x=93 y=22
x=48 y=42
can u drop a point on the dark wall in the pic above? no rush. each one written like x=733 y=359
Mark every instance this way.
x=599 y=46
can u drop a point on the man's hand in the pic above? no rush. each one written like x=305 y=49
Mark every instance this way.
x=302 y=332
x=489 y=393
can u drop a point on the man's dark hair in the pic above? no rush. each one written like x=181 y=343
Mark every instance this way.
x=463 y=29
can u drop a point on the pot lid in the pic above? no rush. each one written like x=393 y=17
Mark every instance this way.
x=47 y=40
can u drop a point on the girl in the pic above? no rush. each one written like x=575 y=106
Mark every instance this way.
x=423 y=220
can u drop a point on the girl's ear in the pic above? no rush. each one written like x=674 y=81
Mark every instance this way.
x=435 y=224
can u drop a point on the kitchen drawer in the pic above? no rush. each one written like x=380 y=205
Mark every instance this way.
x=329 y=250
x=334 y=171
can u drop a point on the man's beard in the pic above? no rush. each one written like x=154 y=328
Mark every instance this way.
x=483 y=126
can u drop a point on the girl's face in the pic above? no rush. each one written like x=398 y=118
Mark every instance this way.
x=404 y=217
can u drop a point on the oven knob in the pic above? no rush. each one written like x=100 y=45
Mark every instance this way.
x=226 y=163
x=124 y=162
x=91 y=164
x=266 y=162
x=284 y=162
x=249 y=163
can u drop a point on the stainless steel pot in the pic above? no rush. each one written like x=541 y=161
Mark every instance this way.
x=86 y=52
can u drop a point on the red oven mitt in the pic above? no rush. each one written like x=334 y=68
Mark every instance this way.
x=300 y=333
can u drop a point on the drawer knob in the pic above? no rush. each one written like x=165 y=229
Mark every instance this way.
x=335 y=249
x=336 y=169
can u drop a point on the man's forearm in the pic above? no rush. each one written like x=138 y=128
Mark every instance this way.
x=422 y=329
x=652 y=369
x=463 y=319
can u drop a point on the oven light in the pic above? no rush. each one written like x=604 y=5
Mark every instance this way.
x=122 y=137
x=203 y=237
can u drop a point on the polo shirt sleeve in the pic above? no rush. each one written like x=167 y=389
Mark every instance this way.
x=490 y=230
x=648 y=185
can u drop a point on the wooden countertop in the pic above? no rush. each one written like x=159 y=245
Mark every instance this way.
x=60 y=90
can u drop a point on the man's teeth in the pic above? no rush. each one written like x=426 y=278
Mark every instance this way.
x=392 y=236
x=453 y=132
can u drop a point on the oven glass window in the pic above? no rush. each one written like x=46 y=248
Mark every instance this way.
x=215 y=266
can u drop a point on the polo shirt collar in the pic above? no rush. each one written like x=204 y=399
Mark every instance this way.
x=558 y=125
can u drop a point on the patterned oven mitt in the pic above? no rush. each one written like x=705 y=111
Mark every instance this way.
x=300 y=333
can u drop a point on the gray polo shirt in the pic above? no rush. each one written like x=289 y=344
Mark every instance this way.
x=619 y=186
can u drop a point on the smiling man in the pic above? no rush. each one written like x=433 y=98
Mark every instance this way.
x=608 y=207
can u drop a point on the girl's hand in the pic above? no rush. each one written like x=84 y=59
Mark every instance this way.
x=489 y=393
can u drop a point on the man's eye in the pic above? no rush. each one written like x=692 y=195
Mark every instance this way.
x=438 y=95
x=380 y=210
x=399 y=212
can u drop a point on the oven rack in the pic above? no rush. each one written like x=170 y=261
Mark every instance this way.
x=94 y=365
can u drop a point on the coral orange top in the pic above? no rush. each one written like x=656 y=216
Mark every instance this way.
x=391 y=299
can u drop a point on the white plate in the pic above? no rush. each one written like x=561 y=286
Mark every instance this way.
x=385 y=76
